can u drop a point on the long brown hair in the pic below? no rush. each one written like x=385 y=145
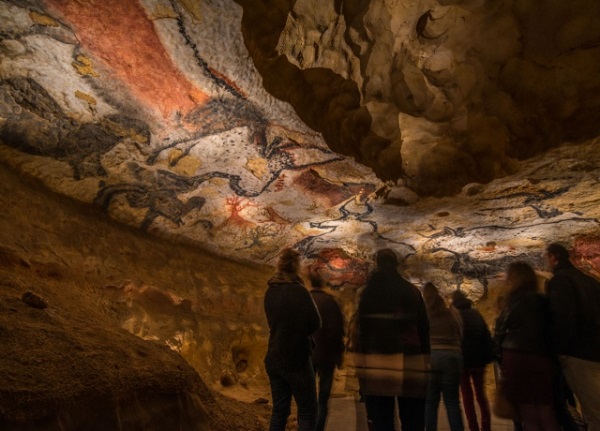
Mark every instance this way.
x=520 y=278
x=434 y=302
x=289 y=261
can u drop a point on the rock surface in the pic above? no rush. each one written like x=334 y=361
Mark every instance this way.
x=131 y=338
x=222 y=124
x=461 y=133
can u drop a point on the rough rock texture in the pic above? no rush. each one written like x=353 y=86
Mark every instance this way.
x=461 y=133
x=167 y=128
x=458 y=89
x=163 y=114
x=136 y=333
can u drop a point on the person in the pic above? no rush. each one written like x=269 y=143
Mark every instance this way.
x=292 y=317
x=393 y=347
x=526 y=364
x=574 y=299
x=478 y=350
x=329 y=349
x=445 y=335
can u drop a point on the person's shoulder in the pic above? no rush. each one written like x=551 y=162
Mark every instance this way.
x=322 y=295
x=414 y=289
x=470 y=312
x=564 y=278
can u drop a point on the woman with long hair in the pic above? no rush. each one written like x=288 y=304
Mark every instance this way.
x=445 y=335
x=526 y=363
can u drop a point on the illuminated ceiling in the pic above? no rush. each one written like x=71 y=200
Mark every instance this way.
x=434 y=128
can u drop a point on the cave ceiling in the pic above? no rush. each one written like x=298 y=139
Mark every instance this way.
x=460 y=133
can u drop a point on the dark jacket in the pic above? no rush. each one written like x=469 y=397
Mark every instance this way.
x=477 y=344
x=292 y=317
x=523 y=324
x=329 y=339
x=574 y=299
x=391 y=316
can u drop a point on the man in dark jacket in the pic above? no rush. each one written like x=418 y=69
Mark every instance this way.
x=292 y=317
x=393 y=347
x=329 y=341
x=574 y=300
x=478 y=351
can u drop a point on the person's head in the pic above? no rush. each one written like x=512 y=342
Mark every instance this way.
x=289 y=261
x=386 y=259
x=433 y=300
x=521 y=276
x=460 y=299
x=316 y=281
x=556 y=254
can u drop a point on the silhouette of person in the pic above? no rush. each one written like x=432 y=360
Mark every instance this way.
x=478 y=351
x=292 y=317
x=393 y=346
x=445 y=335
x=574 y=299
x=329 y=345
x=527 y=367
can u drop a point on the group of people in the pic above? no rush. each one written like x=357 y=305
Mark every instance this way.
x=411 y=349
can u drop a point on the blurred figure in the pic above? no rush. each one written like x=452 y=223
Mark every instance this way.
x=526 y=364
x=292 y=317
x=478 y=350
x=329 y=341
x=445 y=335
x=393 y=343
x=574 y=299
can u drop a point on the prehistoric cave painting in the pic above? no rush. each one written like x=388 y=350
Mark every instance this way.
x=261 y=242
x=272 y=217
x=312 y=182
x=218 y=78
x=39 y=126
x=534 y=200
x=158 y=193
x=586 y=254
x=228 y=111
x=236 y=205
x=340 y=269
x=358 y=209
x=547 y=218
x=217 y=116
x=123 y=38
x=466 y=266
x=279 y=155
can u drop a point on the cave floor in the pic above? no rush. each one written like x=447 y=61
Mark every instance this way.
x=347 y=413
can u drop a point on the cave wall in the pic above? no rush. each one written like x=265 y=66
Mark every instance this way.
x=457 y=90
x=215 y=133
x=221 y=125
x=153 y=111
x=207 y=309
